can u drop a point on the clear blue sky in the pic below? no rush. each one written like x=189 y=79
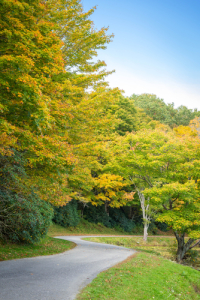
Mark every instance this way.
x=156 y=48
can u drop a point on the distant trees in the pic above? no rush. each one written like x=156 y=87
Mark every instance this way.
x=158 y=110
x=195 y=125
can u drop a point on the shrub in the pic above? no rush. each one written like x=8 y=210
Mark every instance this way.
x=116 y=217
x=23 y=219
x=153 y=228
x=120 y=219
x=191 y=256
x=97 y=214
x=67 y=215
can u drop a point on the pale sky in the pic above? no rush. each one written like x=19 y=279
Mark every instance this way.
x=156 y=47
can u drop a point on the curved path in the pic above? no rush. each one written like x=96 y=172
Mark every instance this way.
x=60 y=276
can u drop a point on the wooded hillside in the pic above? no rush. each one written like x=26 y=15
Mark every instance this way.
x=71 y=147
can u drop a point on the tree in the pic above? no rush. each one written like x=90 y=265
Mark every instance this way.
x=166 y=166
x=185 y=131
x=46 y=68
x=126 y=114
x=195 y=125
x=153 y=107
x=48 y=117
x=185 y=115
x=167 y=114
x=109 y=189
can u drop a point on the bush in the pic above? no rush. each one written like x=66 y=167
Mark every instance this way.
x=119 y=218
x=152 y=228
x=116 y=217
x=97 y=214
x=67 y=215
x=23 y=219
x=191 y=256
x=138 y=229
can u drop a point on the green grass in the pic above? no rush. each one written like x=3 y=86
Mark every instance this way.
x=161 y=246
x=144 y=277
x=47 y=246
x=84 y=228
x=164 y=246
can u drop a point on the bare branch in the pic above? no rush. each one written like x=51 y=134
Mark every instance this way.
x=197 y=243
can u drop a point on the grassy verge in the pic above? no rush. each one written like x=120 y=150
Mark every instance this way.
x=84 y=228
x=144 y=277
x=47 y=246
x=161 y=246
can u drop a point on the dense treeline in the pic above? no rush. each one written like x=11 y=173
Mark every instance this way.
x=72 y=146
x=167 y=114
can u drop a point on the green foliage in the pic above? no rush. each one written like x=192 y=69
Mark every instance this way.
x=97 y=214
x=191 y=256
x=162 y=226
x=23 y=218
x=57 y=138
x=67 y=215
x=116 y=217
x=12 y=171
x=84 y=227
x=158 y=110
x=126 y=114
x=165 y=166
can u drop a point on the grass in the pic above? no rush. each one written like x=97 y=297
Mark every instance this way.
x=84 y=228
x=144 y=277
x=161 y=246
x=164 y=246
x=47 y=246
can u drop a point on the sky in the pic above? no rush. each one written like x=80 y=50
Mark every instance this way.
x=156 y=47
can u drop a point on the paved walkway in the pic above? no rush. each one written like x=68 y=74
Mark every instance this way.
x=60 y=276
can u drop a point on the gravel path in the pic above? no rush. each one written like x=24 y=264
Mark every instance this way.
x=60 y=276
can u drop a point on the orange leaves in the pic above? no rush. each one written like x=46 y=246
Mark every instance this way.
x=129 y=196
x=6 y=143
x=46 y=68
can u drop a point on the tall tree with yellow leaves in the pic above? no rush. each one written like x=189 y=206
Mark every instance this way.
x=164 y=167
x=46 y=68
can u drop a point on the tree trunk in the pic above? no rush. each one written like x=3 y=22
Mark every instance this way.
x=145 y=232
x=130 y=212
x=107 y=208
x=182 y=246
x=82 y=210
x=145 y=213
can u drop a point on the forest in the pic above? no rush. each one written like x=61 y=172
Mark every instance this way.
x=71 y=147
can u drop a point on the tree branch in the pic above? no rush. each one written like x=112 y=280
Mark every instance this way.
x=197 y=243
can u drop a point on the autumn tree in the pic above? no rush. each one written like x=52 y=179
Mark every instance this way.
x=195 y=125
x=167 y=167
x=46 y=66
x=30 y=56
x=52 y=129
